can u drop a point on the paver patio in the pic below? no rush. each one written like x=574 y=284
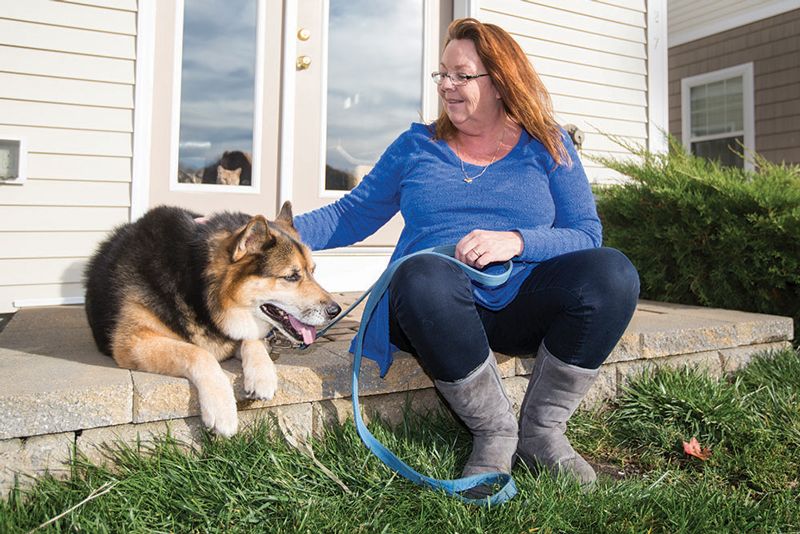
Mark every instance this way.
x=58 y=393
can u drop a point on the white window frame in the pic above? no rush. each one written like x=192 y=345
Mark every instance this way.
x=745 y=71
x=22 y=159
x=258 y=105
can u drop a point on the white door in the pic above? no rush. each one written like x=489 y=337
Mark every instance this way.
x=306 y=93
x=358 y=76
x=215 y=109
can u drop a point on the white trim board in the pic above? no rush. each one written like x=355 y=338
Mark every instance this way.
x=349 y=270
x=657 y=76
x=430 y=60
x=732 y=21
x=143 y=108
x=322 y=145
x=287 y=106
x=466 y=8
x=55 y=301
x=175 y=102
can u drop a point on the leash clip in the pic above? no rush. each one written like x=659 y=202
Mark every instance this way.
x=273 y=339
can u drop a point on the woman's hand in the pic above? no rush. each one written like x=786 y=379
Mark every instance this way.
x=479 y=248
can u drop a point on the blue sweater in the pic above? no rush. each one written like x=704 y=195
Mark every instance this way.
x=551 y=206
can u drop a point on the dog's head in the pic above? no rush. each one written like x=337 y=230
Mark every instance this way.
x=261 y=276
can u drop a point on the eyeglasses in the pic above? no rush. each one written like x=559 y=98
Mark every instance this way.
x=457 y=80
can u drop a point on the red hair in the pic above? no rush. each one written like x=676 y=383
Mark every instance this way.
x=524 y=96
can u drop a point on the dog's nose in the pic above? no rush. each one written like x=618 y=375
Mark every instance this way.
x=333 y=310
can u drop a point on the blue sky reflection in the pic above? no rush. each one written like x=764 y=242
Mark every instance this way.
x=217 y=80
x=374 y=79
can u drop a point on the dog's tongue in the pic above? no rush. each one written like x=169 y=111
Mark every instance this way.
x=308 y=332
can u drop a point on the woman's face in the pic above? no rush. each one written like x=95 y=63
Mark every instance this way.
x=476 y=104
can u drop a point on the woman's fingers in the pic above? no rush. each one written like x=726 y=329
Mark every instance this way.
x=465 y=249
x=479 y=248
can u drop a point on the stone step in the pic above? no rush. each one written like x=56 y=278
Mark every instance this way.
x=57 y=390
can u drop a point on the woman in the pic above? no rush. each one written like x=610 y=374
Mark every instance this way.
x=496 y=175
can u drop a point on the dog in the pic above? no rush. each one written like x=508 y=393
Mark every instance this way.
x=175 y=294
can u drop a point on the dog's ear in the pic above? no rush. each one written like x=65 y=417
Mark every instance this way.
x=285 y=215
x=252 y=238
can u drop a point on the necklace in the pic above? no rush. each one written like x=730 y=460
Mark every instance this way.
x=468 y=179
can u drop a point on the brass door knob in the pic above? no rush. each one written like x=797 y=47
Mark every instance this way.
x=303 y=62
x=304 y=34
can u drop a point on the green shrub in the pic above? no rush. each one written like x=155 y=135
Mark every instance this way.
x=700 y=233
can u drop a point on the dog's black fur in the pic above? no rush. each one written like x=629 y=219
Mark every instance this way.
x=175 y=295
x=163 y=255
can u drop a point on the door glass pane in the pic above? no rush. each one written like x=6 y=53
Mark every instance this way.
x=374 y=83
x=217 y=92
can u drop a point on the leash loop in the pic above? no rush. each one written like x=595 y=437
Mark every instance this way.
x=454 y=487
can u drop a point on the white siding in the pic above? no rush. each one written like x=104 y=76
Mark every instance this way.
x=66 y=86
x=592 y=57
x=690 y=20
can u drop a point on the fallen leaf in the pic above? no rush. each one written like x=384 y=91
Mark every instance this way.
x=693 y=449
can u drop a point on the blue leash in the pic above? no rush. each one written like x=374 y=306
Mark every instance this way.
x=453 y=487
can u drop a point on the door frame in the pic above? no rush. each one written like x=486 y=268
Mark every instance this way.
x=143 y=98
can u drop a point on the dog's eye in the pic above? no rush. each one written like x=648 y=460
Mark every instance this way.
x=294 y=277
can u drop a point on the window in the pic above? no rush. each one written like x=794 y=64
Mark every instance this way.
x=374 y=90
x=12 y=161
x=717 y=115
x=218 y=85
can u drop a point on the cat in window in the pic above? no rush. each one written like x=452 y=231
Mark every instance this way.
x=229 y=177
x=233 y=168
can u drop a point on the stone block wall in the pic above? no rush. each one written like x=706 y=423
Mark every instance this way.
x=59 y=395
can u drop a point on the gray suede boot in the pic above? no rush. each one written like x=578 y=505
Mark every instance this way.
x=554 y=393
x=481 y=402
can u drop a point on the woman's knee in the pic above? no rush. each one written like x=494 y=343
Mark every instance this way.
x=603 y=280
x=615 y=275
x=428 y=278
x=606 y=291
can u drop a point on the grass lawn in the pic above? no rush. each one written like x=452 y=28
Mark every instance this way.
x=257 y=483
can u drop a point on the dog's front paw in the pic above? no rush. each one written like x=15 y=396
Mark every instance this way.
x=261 y=382
x=222 y=420
x=218 y=408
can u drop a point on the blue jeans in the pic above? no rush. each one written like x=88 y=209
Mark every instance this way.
x=578 y=304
